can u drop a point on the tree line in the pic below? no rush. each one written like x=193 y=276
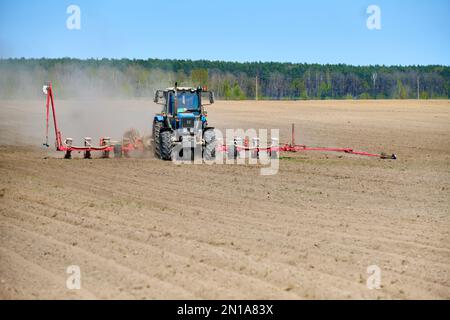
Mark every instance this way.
x=230 y=80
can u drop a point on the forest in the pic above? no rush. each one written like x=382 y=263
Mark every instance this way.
x=23 y=78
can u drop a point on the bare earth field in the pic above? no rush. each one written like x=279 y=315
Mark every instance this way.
x=142 y=228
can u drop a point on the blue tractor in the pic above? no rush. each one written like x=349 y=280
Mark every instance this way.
x=181 y=130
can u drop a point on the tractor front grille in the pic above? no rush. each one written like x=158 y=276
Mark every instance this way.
x=188 y=123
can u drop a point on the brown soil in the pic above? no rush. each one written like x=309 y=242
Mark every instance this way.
x=142 y=228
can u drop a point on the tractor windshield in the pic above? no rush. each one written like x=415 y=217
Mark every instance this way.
x=187 y=102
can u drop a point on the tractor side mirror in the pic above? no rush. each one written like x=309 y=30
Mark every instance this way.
x=209 y=97
x=159 y=97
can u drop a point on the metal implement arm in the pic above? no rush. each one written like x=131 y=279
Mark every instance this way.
x=49 y=92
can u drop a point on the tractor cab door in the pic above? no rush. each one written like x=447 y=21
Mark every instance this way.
x=170 y=102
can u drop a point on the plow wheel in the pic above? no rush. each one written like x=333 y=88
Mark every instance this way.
x=118 y=151
x=147 y=141
x=132 y=143
x=132 y=136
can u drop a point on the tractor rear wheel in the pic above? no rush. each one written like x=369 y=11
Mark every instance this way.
x=209 y=150
x=156 y=139
x=166 y=145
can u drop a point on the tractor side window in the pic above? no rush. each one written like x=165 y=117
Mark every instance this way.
x=171 y=103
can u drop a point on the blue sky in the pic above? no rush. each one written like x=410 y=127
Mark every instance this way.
x=321 y=31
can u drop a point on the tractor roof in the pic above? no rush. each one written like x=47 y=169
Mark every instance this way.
x=190 y=89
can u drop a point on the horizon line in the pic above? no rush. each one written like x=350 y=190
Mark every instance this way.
x=228 y=61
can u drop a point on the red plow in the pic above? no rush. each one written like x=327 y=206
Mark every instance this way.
x=239 y=145
x=130 y=142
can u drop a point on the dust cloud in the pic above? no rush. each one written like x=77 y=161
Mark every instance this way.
x=88 y=104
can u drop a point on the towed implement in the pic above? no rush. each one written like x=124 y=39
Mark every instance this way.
x=240 y=146
x=130 y=142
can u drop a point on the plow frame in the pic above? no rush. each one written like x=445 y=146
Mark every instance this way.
x=236 y=148
x=105 y=145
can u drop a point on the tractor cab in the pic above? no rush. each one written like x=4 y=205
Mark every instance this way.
x=182 y=118
x=183 y=107
x=185 y=102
